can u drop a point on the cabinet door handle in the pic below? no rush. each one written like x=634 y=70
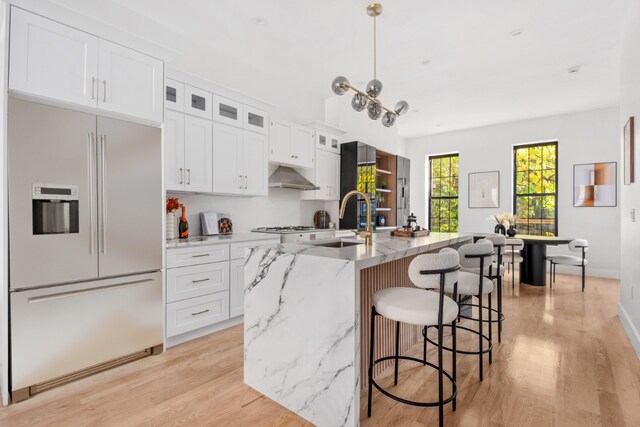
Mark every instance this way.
x=241 y=186
x=199 y=255
x=93 y=85
x=104 y=93
x=246 y=182
x=188 y=176
x=200 y=280
x=181 y=176
x=200 y=312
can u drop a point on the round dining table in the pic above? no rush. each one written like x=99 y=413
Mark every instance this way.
x=533 y=269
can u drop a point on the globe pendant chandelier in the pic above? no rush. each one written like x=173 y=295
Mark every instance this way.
x=369 y=98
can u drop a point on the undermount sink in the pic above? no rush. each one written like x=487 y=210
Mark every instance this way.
x=335 y=243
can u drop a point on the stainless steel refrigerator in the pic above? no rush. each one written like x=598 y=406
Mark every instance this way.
x=85 y=244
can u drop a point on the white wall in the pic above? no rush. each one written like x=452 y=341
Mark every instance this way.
x=582 y=138
x=629 y=307
x=281 y=207
x=4 y=244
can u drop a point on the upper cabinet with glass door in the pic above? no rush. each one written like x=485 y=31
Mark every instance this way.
x=227 y=111
x=256 y=120
x=174 y=95
x=197 y=102
x=326 y=137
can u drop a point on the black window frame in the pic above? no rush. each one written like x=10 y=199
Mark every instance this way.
x=431 y=197
x=515 y=180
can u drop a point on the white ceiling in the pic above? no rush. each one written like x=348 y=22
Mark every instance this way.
x=478 y=73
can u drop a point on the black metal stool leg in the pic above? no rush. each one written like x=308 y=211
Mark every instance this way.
x=490 y=296
x=480 y=326
x=424 y=348
x=583 y=272
x=395 y=376
x=373 y=334
x=499 y=310
x=440 y=378
x=453 y=337
x=550 y=275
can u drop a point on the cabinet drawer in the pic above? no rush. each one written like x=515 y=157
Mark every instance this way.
x=197 y=280
x=237 y=249
x=184 y=257
x=197 y=102
x=194 y=313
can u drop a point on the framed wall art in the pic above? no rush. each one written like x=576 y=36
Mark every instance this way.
x=484 y=189
x=629 y=152
x=595 y=185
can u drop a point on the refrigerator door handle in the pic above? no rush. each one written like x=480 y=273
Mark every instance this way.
x=90 y=157
x=103 y=177
x=59 y=295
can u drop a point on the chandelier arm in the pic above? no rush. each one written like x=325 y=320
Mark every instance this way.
x=371 y=99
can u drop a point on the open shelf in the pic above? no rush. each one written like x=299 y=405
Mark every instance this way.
x=383 y=190
x=383 y=209
x=383 y=171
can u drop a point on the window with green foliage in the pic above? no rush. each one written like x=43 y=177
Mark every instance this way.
x=443 y=193
x=535 y=198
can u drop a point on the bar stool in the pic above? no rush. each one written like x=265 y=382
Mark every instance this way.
x=420 y=307
x=472 y=256
x=578 y=245
x=513 y=255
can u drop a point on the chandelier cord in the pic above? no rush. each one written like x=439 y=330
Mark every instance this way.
x=374 y=47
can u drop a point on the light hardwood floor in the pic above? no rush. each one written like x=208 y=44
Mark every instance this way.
x=564 y=360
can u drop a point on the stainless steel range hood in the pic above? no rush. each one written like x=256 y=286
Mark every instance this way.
x=286 y=177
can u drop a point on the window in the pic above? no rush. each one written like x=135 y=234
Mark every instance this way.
x=535 y=198
x=443 y=193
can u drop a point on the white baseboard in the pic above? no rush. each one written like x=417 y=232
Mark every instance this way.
x=629 y=327
x=591 y=272
x=179 y=339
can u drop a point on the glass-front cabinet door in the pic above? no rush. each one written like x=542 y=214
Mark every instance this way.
x=256 y=120
x=334 y=143
x=322 y=139
x=174 y=95
x=227 y=111
x=197 y=102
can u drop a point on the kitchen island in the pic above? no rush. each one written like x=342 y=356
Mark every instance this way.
x=306 y=319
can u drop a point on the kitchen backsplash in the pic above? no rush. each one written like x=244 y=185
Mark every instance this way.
x=281 y=207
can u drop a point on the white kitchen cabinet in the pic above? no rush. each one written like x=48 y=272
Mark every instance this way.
x=255 y=167
x=174 y=95
x=131 y=83
x=197 y=102
x=173 y=150
x=326 y=175
x=291 y=144
x=198 y=155
x=197 y=280
x=256 y=120
x=236 y=287
x=239 y=161
x=227 y=111
x=51 y=60
x=334 y=143
x=228 y=158
x=193 y=313
x=303 y=147
x=196 y=255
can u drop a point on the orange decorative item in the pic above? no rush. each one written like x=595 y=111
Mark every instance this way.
x=173 y=204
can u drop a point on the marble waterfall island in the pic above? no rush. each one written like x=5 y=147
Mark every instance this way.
x=306 y=320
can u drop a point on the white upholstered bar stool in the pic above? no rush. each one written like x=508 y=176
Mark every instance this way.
x=420 y=307
x=513 y=256
x=473 y=256
x=578 y=245
x=494 y=271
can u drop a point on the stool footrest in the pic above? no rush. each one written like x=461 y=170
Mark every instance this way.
x=475 y=319
x=484 y=350
x=411 y=402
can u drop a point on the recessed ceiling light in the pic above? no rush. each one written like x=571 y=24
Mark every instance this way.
x=438 y=125
x=425 y=62
x=516 y=33
x=260 y=21
x=416 y=111
x=573 y=70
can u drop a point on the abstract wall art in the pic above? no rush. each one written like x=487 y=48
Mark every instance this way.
x=595 y=185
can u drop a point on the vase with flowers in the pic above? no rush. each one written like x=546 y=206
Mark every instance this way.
x=505 y=223
x=172 y=205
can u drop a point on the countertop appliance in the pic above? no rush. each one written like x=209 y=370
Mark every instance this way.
x=85 y=226
x=299 y=233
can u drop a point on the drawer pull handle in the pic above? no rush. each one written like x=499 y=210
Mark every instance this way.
x=199 y=312
x=199 y=256
x=200 y=280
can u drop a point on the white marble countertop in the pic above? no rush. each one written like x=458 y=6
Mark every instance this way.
x=216 y=240
x=385 y=248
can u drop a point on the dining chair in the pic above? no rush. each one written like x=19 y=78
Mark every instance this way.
x=578 y=245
